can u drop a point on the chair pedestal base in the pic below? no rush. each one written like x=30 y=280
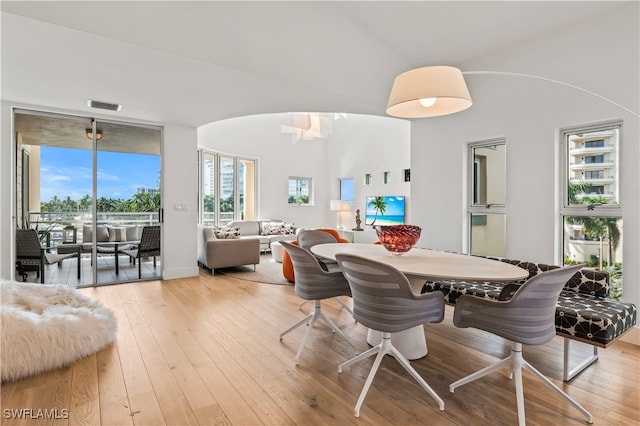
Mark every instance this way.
x=386 y=347
x=412 y=343
x=515 y=363
x=310 y=320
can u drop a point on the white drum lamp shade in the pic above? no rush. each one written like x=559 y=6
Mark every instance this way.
x=428 y=92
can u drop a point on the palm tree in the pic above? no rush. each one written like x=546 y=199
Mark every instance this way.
x=380 y=205
x=592 y=226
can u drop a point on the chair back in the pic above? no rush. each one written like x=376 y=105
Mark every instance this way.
x=311 y=281
x=149 y=241
x=308 y=238
x=527 y=318
x=382 y=296
x=28 y=244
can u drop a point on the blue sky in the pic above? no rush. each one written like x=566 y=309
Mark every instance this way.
x=65 y=171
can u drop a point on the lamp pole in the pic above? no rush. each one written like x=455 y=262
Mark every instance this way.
x=562 y=83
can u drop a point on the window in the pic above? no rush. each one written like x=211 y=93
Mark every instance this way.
x=301 y=191
x=227 y=188
x=487 y=198
x=594 y=159
x=347 y=190
x=598 y=143
x=594 y=174
x=592 y=220
x=207 y=188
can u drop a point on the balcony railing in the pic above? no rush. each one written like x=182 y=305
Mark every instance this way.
x=209 y=218
x=52 y=224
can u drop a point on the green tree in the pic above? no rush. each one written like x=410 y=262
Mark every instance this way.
x=226 y=205
x=208 y=203
x=85 y=203
x=594 y=227
x=576 y=188
x=380 y=205
x=68 y=205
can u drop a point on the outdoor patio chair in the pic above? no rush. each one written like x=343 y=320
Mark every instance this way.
x=149 y=246
x=29 y=253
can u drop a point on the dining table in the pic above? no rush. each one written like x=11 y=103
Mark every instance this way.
x=420 y=265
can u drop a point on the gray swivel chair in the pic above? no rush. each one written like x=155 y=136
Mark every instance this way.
x=527 y=318
x=384 y=301
x=149 y=246
x=29 y=253
x=308 y=238
x=313 y=283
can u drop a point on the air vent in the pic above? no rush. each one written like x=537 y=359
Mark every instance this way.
x=104 y=105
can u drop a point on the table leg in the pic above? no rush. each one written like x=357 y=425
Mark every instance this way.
x=117 y=265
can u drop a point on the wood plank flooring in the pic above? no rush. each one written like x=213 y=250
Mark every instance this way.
x=205 y=350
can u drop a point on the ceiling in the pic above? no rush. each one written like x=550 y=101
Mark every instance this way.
x=192 y=63
x=71 y=132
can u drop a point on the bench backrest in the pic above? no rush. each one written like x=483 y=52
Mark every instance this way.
x=586 y=281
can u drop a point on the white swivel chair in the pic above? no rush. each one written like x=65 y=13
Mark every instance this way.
x=313 y=283
x=308 y=238
x=384 y=301
x=527 y=318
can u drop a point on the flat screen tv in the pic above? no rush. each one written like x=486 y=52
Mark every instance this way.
x=385 y=210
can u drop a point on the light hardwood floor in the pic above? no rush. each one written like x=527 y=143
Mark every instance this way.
x=205 y=350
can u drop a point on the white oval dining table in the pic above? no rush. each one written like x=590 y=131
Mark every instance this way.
x=419 y=265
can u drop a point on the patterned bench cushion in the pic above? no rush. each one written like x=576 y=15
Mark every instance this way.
x=593 y=319
x=454 y=289
x=583 y=312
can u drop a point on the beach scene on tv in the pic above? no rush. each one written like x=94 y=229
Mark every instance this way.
x=384 y=210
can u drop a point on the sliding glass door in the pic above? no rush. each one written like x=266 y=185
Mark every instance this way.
x=87 y=188
x=127 y=182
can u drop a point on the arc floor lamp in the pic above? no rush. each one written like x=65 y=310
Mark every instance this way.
x=441 y=90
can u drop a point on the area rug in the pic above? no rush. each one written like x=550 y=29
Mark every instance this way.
x=267 y=271
x=49 y=326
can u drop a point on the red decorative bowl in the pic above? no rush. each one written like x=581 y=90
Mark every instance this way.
x=398 y=239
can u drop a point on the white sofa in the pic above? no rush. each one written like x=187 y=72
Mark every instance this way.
x=267 y=231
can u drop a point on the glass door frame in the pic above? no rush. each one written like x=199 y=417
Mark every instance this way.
x=91 y=124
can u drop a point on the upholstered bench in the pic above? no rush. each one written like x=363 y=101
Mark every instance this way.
x=583 y=313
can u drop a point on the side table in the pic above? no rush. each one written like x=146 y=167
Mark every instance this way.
x=276 y=251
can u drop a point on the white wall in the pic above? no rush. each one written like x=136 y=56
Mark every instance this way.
x=602 y=56
x=179 y=185
x=358 y=144
x=370 y=144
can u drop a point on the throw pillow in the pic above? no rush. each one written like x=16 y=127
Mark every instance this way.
x=132 y=233
x=87 y=234
x=102 y=234
x=277 y=228
x=226 y=233
x=116 y=234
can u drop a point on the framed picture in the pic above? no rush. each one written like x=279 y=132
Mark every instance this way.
x=407 y=175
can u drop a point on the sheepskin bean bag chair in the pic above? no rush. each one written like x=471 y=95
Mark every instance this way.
x=49 y=326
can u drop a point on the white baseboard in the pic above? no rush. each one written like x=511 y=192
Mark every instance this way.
x=172 y=274
x=632 y=336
